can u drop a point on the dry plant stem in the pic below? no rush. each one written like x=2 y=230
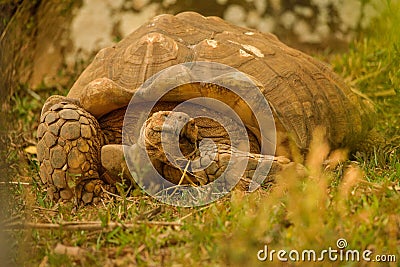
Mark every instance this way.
x=182 y=177
x=15 y=183
x=114 y=195
x=191 y=213
x=368 y=76
x=87 y=226
x=54 y=209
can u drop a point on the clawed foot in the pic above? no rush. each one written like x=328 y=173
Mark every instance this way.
x=69 y=150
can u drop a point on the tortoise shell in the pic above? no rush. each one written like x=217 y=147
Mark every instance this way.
x=303 y=92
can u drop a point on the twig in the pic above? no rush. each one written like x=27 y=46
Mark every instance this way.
x=15 y=183
x=191 y=213
x=87 y=226
x=9 y=220
x=368 y=76
x=114 y=195
x=54 y=209
x=9 y=23
x=182 y=177
x=149 y=214
x=389 y=92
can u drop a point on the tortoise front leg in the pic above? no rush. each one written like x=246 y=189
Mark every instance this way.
x=69 y=146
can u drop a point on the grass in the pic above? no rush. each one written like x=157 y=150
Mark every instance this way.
x=358 y=201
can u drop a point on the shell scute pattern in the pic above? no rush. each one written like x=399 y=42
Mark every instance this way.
x=306 y=83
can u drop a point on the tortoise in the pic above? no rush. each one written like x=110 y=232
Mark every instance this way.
x=80 y=135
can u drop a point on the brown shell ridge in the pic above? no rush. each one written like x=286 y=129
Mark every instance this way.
x=344 y=115
x=290 y=111
x=325 y=115
x=304 y=124
x=358 y=117
x=346 y=110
